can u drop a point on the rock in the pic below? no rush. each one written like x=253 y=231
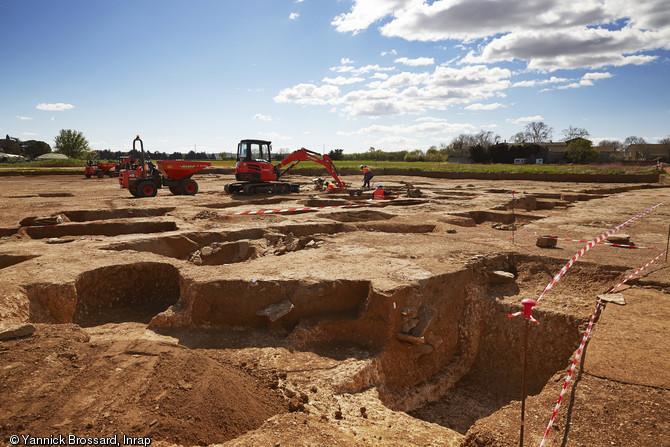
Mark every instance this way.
x=409 y=312
x=622 y=238
x=275 y=311
x=616 y=298
x=501 y=277
x=206 y=251
x=409 y=325
x=426 y=316
x=504 y=227
x=9 y=331
x=60 y=240
x=546 y=241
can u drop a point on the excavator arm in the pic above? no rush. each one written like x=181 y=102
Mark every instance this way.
x=306 y=155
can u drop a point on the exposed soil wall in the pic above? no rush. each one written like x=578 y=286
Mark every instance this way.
x=117 y=293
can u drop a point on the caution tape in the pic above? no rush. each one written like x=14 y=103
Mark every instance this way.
x=581 y=240
x=581 y=349
x=588 y=246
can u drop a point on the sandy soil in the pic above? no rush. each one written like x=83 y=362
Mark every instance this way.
x=177 y=319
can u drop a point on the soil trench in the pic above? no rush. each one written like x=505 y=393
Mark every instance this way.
x=183 y=320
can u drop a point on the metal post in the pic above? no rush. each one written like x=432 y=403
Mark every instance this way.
x=528 y=305
x=523 y=383
x=513 y=217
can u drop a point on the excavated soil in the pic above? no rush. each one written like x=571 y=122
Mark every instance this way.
x=329 y=319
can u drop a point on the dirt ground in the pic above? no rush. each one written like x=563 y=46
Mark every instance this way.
x=336 y=321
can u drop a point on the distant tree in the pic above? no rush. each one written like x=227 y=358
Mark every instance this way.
x=433 y=154
x=33 y=149
x=415 y=155
x=10 y=146
x=537 y=132
x=633 y=140
x=616 y=144
x=574 y=132
x=336 y=154
x=581 y=151
x=176 y=156
x=72 y=143
x=500 y=153
x=519 y=138
x=665 y=140
x=479 y=154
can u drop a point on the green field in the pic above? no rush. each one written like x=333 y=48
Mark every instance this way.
x=68 y=165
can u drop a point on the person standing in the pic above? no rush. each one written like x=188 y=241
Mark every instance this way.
x=367 y=176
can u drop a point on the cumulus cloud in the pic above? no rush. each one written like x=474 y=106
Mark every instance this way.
x=526 y=119
x=308 y=94
x=341 y=80
x=24 y=118
x=491 y=106
x=56 y=107
x=546 y=34
x=404 y=93
x=260 y=116
x=416 y=62
x=422 y=127
x=294 y=15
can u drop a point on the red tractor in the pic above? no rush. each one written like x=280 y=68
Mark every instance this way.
x=145 y=179
x=255 y=174
x=98 y=169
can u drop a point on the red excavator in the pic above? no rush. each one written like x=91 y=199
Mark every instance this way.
x=255 y=173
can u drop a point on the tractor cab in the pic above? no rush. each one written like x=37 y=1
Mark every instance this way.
x=254 y=161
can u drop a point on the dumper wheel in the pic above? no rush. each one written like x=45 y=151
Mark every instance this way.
x=133 y=191
x=100 y=173
x=87 y=175
x=189 y=187
x=146 y=189
x=110 y=174
x=176 y=190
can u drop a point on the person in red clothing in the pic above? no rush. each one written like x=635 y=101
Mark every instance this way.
x=367 y=176
x=379 y=193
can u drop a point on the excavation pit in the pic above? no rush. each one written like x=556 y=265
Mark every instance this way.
x=135 y=292
x=9 y=260
x=99 y=229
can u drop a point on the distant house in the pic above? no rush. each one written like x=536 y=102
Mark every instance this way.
x=648 y=152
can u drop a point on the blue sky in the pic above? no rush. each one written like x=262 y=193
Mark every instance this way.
x=326 y=74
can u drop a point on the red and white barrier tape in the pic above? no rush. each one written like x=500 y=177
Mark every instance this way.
x=588 y=246
x=308 y=208
x=581 y=349
x=581 y=240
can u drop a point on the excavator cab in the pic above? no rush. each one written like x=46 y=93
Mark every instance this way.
x=254 y=162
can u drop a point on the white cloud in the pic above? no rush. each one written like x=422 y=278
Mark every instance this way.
x=23 y=118
x=477 y=106
x=546 y=34
x=262 y=117
x=526 y=119
x=416 y=62
x=360 y=70
x=346 y=61
x=294 y=15
x=534 y=82
x=393 y=52
x=57 y=107
x=341 y=80
x=404 y=93
x=423 y=127
x=308 y=94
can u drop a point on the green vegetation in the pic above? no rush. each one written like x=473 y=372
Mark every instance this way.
x=72 y=143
